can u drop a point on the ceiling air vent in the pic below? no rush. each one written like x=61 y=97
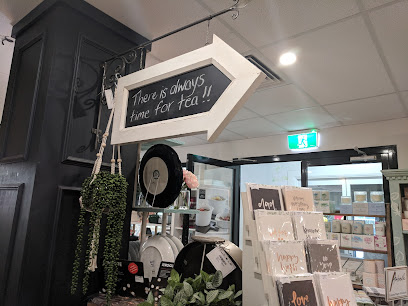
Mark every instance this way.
x=272 y=78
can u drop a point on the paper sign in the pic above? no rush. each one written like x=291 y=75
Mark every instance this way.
x=220 y=260
x=396 y=286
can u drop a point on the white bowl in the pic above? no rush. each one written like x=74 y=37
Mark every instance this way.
x=223 y=223
x=218 y=205
x=203 y=218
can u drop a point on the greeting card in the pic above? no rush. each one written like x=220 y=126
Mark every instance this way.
x=298 y=199
x=274 y=225
x=285 y=257
x=297 y=291
x=324 y=256
x=335 y=289
x=309 y=225
x=264 y=197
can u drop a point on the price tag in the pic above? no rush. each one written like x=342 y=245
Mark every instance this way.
x=220 y=260
x=109 y=98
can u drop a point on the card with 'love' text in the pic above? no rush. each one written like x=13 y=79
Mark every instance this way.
x=297 y=291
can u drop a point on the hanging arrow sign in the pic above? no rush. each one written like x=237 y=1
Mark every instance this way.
x=200 y=91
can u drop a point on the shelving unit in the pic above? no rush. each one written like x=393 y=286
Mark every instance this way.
x=165 y=211
x=387 y=217
x=352 y=215
x=363 y=250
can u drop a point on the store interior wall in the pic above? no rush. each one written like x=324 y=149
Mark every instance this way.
x=390 y=132
x=5 y=60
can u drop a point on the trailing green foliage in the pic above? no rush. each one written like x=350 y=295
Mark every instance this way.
x=201 y=290
x=106 y=194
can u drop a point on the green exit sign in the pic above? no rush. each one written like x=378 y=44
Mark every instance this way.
x=303 y=141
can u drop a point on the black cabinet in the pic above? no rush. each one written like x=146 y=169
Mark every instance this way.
x=48 y=143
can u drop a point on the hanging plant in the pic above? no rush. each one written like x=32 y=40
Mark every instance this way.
x=106 y=193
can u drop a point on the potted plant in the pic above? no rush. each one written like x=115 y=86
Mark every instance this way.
x=102 y=193
x=202 y=290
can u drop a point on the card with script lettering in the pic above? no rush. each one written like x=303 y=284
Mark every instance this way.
x=298 y=198
x=274 y=225
x=309 y=225
x=396 y=285
x=297 y=291
x=324 y=256
x=285 y=257
x=264 y=197
x=335 y=289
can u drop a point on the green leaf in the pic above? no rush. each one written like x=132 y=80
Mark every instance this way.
x=205 y=276
x=200 y=297
x=238 y=303
x=181 y=295
x=211 y=296
x=145 y=304
x=217 y=279
x=175 y=276
x=197 y=283
x=188 y=289
x=210 y=286
x=164 y=301
x=150 y=298
x=225 y=295
x=169 y=292
x=238 y=294
x=231 y=288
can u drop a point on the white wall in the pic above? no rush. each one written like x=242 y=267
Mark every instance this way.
x=390 y=132
x=6 y=54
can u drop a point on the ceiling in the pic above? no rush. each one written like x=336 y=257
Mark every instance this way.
x=352 y=62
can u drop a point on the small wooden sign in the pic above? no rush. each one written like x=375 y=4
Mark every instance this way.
x=396 y=285
x=197 y=92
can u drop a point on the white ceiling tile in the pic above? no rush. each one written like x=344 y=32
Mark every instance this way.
x=265 y=21
x=255 y=127
x=244 y=113
x=278 y=100
x=336 y=63
x=227 y=135
x=194 y=38
x=310 y=118
x=191 y=140
x=391 y=27
x=153 y=18
x=369 y=4
x=368 y=110
x=404 y=95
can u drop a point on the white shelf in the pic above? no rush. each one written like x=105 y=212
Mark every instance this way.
x=165 y=210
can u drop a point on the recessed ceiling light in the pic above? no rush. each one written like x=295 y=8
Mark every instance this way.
x=287 y=58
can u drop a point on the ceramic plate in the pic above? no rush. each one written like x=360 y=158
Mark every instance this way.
x=177 y=242
x=154 y=251
x=173 y=246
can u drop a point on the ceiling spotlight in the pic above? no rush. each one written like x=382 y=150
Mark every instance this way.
x=287 y=58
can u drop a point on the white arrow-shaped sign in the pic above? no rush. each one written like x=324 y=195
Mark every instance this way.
x=200 y=91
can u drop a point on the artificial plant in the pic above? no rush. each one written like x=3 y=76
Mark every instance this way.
x=201 y=290
x=101 y=193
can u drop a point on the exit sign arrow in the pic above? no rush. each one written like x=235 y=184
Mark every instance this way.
x=200 y=91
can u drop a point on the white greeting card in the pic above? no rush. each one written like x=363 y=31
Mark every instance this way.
x=309 y=225
x=285 y=257
x=335 y=289
x=298 y=199
x=274 y=225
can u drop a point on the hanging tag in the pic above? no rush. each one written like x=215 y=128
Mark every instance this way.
x=109 y=98
x=221 y=261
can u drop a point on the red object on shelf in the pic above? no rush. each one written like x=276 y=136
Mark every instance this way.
x=133 y=268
